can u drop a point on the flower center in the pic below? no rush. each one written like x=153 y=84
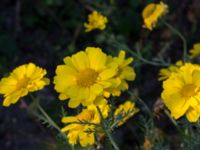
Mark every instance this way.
x=22 y=83
x=87 y=77
x=189 y=90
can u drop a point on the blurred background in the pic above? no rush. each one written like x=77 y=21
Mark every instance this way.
x=45 y=31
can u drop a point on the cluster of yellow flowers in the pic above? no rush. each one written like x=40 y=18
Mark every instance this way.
x=77 y=127
x=90 y=76
x=85 y=126
x=181 y=87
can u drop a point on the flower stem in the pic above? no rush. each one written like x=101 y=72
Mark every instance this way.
x=106 y=129
x=135 y=54
x=48 y=118
x=175 y=31
x=172 y=120
x=143 y=103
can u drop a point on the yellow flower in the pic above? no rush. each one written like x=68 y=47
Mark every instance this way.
x=152 y=13
x=195 y=51
x=165 y=73
x=181 y=92
x=84 y=133
x=22 y=80
x=95 y=21
x=125 y=111
x=84 y=77
x=125 y=73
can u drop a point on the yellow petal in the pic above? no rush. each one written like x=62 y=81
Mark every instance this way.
x=192 y=115
x=73 y=103
x=107 y=74
x=97 y=58
x=80 y=60
x=69 y=119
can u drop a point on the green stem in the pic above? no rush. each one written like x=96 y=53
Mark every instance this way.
x=47 y=116
x=114 y=125
x=172 y=120
x=136 y=55
x=175 y=31
x=107 y=131
x=143 y=103
x=145 y=60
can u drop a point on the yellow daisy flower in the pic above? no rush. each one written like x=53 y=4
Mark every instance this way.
x=22 y=80
x=95 y=21
x=181 y=92
x=195 y=51
x=125 y=73
x=84 y=133
x=165 y=73
x=152 y=13
x=125 y=111
x=84 y=77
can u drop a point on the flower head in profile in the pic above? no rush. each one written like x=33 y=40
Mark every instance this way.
x=125 y=111
x=81 y=128
x=95 y=21
x=195 y=51
x=181 y=92
x=125 y=73
x=22 y=80
x=152 y=12
x=84 y=77
x=165 y=73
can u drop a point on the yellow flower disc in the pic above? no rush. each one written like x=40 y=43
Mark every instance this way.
x=22 y=80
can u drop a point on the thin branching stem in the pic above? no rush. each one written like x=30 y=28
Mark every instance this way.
x=136 y=54
x=172 y=120
x=84 y=123
x=175 y=31
x=48 y=118
x=107 y=130
x=143 y=103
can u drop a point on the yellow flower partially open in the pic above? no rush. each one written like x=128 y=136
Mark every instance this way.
x=165 y=73
x=181 y=92
x=195 y=51
x=22 y=80
x=152 y=13
x=125 y=72
x=84 y=133
x=125 y=111
x=95 y=21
